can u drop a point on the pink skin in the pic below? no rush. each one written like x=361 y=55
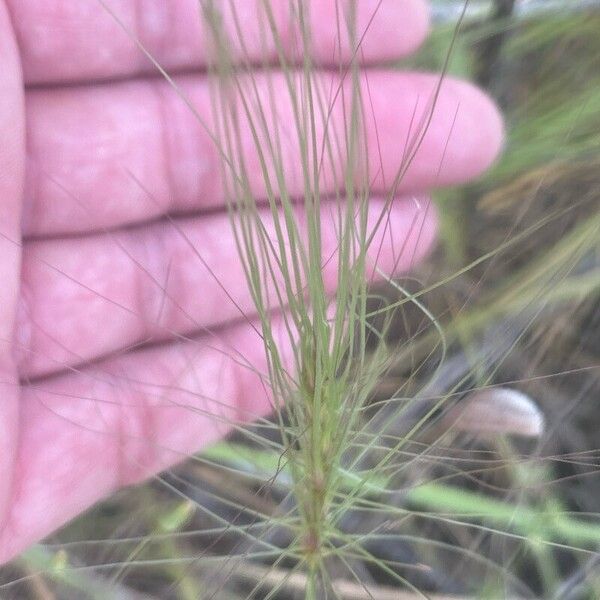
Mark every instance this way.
x=82 y=411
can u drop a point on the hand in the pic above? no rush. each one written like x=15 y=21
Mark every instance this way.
x=108 y=369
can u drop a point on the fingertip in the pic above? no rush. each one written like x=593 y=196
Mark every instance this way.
x=478 y=133
x=405 y=235
x=419 y=25
x=417 y=212
x=395 y=28
x=385 y=30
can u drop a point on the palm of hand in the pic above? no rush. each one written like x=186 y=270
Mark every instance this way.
x=84 y=410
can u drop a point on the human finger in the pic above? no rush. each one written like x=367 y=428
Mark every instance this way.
x=84 y=298
x=102 y=157
x=93 y=39
x=87 y=433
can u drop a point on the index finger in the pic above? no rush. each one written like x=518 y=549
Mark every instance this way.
x=83 y=41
